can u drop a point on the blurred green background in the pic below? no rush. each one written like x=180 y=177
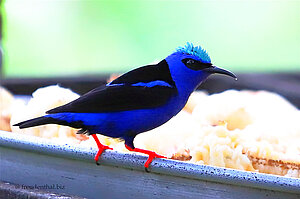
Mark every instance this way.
x=46 y=38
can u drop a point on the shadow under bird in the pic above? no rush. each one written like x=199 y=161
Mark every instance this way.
x=138 y=101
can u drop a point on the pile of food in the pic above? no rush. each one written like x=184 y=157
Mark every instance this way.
x=6 y=105
x=246 y=130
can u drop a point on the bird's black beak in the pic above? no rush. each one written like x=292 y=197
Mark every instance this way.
x=215 y=69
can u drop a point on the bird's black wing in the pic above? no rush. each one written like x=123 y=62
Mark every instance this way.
x=148 y=73
x=121 y=95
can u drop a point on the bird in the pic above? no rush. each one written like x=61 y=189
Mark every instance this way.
x=137 y=101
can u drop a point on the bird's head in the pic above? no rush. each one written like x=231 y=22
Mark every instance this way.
x=190 y=66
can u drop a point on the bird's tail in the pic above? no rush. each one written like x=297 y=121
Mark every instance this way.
x=38 y=121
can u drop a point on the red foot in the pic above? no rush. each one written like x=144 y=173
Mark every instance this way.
x=151 y=154
x=101 y=148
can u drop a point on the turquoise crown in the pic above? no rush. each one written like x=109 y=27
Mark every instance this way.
x=196 y=51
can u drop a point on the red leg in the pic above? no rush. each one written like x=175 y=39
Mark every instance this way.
x=151 y=154
x=101 y=148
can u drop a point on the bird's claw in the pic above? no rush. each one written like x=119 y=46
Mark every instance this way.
x=147 y=170
x=97 y=162
x=99 y=153
x=101 y=148
x=152 y=155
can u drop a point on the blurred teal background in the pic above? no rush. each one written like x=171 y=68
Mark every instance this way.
x=46 y=38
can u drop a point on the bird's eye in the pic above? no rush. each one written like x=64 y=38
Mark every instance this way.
x=190 y=62
x=195 y=65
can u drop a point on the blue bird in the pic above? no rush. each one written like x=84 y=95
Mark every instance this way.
x=138 y=101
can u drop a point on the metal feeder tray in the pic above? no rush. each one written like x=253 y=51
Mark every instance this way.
x=33 y=162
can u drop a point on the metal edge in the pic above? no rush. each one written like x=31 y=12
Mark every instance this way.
x=158 y=166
